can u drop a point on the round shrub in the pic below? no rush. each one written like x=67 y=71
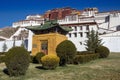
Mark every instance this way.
x=38 y=56
x=66 y=50
x=50 y=61
x=103 y=51
x=17 y=61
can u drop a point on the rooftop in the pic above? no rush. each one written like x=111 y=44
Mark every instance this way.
x=48 y=25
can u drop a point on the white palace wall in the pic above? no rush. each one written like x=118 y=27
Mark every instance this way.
x=113 y=43
x=9 y=44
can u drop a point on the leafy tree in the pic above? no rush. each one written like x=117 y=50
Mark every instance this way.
x=4 y=47
x=93 y=41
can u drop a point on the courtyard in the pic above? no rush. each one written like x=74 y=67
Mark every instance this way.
x=100 y=69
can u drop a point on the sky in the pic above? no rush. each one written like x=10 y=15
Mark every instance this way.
x=16 y=10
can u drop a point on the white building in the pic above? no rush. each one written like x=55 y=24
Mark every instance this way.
x=31 y=20
x=112 y=41
x=106 y=23
x=81 y=26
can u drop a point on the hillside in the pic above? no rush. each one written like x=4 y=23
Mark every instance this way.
x=7 y=31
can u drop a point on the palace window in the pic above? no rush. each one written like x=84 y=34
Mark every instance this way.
x=80 y=43
x=118 y=28
x=80 y=27
x=75 y=34
x=81 y=34
x=87 y=27
x=107 y=19
x=87 y=33
x=75 y=27
x=69 y=34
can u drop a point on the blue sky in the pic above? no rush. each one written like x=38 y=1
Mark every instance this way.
x=15 y=10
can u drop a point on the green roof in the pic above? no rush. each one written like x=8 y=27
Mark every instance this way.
x=48 y=25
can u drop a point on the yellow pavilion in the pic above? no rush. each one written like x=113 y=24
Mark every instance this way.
x=47 y=36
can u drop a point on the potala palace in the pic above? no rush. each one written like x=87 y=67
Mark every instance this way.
x=80 y=21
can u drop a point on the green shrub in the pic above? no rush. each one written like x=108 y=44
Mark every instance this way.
x=103 y=51
x=76 y=59
x=2 y=58
x=50 y=61
x=95 y=56
x=66 y=50
x=85 y=58
x=17 y=61
x=38 y=56
x=2 y=53
x=84 y=52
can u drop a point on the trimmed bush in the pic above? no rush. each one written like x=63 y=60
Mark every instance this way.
x=50 y=61
x=17 y=61
x=66 y=50
x=103 y=51
x=84 y=52
x=85 y=58
x=38 y=56
x=76 y=59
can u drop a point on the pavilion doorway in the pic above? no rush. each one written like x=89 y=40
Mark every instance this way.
x=44 y=46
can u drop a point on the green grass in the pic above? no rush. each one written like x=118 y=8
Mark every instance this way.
x=101 y=69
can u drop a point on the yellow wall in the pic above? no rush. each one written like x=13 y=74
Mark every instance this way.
x=53 y=40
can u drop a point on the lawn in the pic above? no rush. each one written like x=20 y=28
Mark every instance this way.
x=101 y=69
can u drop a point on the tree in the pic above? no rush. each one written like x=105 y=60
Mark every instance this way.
x=93 y=41
x=4 y=47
